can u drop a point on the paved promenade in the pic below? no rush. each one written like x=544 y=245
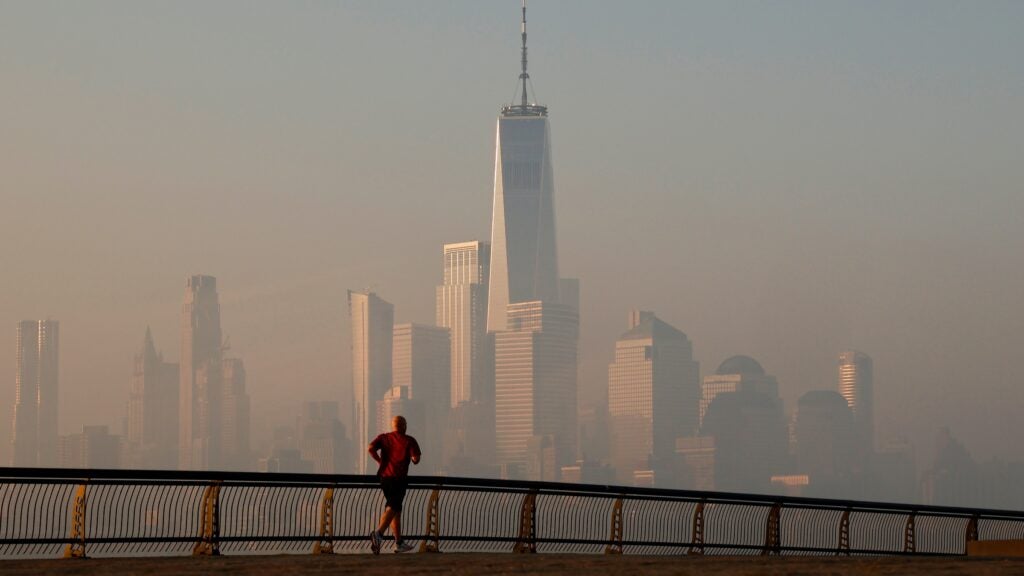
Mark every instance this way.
x=500 y=564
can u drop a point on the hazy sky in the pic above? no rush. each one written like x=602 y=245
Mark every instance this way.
x=779 y=179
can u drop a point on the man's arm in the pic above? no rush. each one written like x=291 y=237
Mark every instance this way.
x=374 y=449
x=416 y=452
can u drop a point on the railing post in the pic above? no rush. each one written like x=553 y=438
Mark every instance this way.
x=615 y=539
x=908 y=534
x=432 y=534
x=209 y=538
x=76 y=549
x=697 y=538
x=527 y=541
x=325 y=545
x=844 y=534
x=972 y=532
x=772 y=536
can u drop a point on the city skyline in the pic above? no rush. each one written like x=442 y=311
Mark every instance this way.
x=906 y=300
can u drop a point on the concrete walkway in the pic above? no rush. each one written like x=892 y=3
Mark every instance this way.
x=500 y=564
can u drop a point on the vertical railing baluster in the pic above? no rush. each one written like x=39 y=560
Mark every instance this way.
x=432 y=534
x=325 y=545
x=772 y=532
x=527 y=541
x=76 y=549
x=697 y=537
x=844 y=534
x=909 y=545
x=615 y=538
x=971 y=532
x=209 y=539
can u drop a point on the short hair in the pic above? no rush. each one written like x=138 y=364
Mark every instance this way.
x=400 y=423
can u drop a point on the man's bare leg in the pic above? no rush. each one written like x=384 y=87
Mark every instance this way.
x=396 y=526
x=385 y=519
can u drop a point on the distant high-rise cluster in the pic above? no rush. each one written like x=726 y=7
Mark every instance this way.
x=492 y=388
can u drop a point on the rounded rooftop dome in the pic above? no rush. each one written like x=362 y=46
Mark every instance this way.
x=740 y=365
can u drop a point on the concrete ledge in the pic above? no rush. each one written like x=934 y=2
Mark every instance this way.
x=1014 y=548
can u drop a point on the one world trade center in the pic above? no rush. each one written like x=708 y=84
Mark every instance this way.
x=524 y=261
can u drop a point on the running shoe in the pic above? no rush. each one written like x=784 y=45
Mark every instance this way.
x=405 y=546
x=375 y=540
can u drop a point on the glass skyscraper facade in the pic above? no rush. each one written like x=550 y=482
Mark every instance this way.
x=857 y=386
x=422 y=365
x=373 y=321
x=653 y=395
x=462 y=308
x=199 y=373
x=524 y=261
x=535 y=381
x=36 y=387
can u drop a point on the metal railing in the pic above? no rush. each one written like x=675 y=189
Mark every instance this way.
x=53 y=512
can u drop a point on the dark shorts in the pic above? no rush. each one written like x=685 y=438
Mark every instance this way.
x=394 y=491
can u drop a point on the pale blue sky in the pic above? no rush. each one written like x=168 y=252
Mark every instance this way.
x=781 y=179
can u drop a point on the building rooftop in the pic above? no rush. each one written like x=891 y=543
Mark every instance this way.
x=740 y=365
x=653 y=327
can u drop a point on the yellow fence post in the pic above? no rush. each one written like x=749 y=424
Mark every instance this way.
x=772 y=532
x=844 y=534
x=527 y=541
x=325 y=545
x=971 y=532
x=432 y=539
x=909 y=545
x=209 y=539
x=697 y=538
x=76 y=549
x=615 y=539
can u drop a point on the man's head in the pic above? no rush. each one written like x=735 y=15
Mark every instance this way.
x=398 y=424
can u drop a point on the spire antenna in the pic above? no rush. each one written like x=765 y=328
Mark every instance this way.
x=524 y=77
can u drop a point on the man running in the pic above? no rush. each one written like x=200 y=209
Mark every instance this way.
x=393 y=451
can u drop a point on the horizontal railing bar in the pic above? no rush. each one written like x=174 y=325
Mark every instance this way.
x=495 y=539
x=56 y=475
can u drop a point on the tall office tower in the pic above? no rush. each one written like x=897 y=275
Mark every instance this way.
x=653 y=396
x=857 y=385
x=207 y=419
x=462 y=308
x=373 y=322
x=734 y=374
x=824 y=448
x=36 y=384
x=422 y=363
x=535 y=382
x=152 y=436
x=524 y=262
x=235 y=417
x=199 y=371
x=750 y=440
x=322 y=439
